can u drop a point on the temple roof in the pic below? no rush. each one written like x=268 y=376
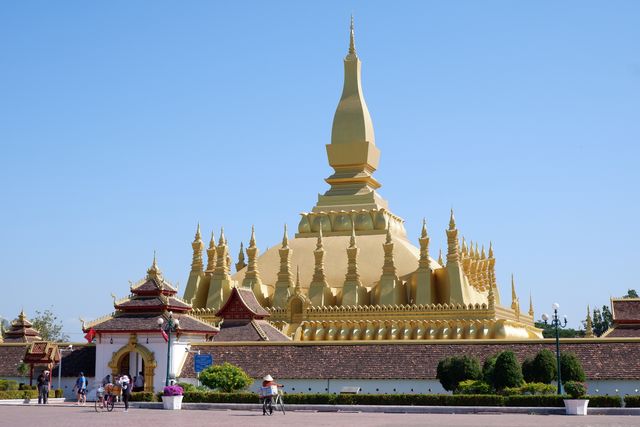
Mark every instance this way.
x=41 y=352
x=21 y=330
x=148 y=322
x=626 y=318
x=254 y=330
x=153 y=303
x=242 y=304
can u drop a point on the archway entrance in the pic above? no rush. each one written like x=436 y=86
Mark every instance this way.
x=137 y=357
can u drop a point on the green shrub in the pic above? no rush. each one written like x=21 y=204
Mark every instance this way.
x=226 y=377
x=488 y=369
x=535 y=401
x=632 y=401
x=605 y=401
x=474 y=387
x=8 y=385
x=540 y=369
x=537 y=389
x=507 y=371
x=452 y=370
x=571 y=368
x=187 y=386
x=143 y=396
x=575 y=389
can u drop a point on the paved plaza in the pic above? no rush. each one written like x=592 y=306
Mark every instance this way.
x=26 y=416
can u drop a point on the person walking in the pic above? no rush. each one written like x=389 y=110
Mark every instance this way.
x=43 y=387
x=81 y=387
x=125 y=384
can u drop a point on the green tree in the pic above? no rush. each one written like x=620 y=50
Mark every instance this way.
x=488 y=369
x=549 y=331
x=226 y=378
x=541 y=368
x=631 y=293
x=507 y=371
x=49 y=327
x=571 y=368
x=452 y=370
x=602 y=320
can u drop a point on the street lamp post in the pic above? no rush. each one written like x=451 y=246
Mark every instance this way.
x=171 y=326
x=557 y=324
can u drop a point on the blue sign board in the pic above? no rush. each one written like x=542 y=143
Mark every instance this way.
x=202 y=361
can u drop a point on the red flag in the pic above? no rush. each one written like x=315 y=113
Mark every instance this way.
x=164 y=335
x=89 y=336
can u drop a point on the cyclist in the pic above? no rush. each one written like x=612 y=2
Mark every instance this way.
x=267 y=391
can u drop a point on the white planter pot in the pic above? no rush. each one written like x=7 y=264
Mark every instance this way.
x=576 y=406
x=172 y=402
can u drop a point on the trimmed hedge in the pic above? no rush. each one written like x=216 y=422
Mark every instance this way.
x=143 y=396
x=632 y=401
x=550 y=401
x=353 y=399
x=605 y=401
x=33 y=394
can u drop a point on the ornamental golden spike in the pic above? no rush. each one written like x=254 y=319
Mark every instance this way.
x=285 y=238
x=452 y=221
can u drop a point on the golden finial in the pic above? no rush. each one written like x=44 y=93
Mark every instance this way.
x=513 y=288
x=319 y=243
x=241 y=253
x=482 y=254
x=388 y=240
x=440 y=261
x=221 y=241
x=352 y=240
x=452 y=221
x=352 y=42
x=464 y=246
x=477 y=252
x=490 y=249
x=530 y=305
x=423 y=234
x=154 y=265
x=252 y=240
x=285 y=238
x=212 y=242
x=198 y=232
x=298 y=289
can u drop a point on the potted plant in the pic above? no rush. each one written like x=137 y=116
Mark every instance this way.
x=577 y=405
x=172 y=397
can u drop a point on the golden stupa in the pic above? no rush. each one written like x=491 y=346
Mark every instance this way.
x=357 y=275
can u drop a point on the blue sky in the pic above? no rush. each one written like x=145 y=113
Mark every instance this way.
x=123 y=124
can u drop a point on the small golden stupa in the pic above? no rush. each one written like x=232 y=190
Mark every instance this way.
x=358 y=277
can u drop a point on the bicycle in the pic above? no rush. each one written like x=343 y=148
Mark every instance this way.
x=271 y=401
x=105 y=399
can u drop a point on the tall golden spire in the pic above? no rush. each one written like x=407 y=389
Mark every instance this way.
x=424 y=262
x=154 y=270
x=221 y=272
x=588 y=324
x=319 y=290
x=241 y=264
x=352 y=278
x=284 y=287
x=211 y=254
x=452 y=241
x=515 y=303
x=352 y=153
x=440 y=260
x=298 y=288
x=252 y=276
x=198 y=246
x=530 y=305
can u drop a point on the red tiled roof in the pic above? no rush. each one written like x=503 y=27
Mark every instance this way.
x=147 y=303
x=254 y=330
x=626 y=310
x=242 y=304
x=123 y=322
x=152 y=285
x=10 y=358
x=602 y=359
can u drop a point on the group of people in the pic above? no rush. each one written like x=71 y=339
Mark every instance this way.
x=81 y=386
